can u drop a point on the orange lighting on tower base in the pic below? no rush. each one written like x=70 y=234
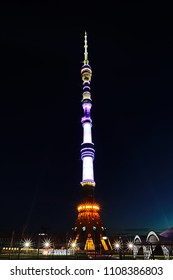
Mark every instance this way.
x=88 y=207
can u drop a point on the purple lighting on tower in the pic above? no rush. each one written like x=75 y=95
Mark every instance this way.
x=87 y=151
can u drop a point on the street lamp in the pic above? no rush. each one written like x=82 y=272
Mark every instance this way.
x=130 y=246
x=38 y=244
x=74 y=246
x=117 y=245
x=26 y=243
x=46 y=243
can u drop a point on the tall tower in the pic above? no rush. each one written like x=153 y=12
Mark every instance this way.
x=89 y=230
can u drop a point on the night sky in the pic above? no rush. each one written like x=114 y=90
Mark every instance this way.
x=131 y=55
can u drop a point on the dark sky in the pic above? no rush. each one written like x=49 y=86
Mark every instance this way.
x=41 y=53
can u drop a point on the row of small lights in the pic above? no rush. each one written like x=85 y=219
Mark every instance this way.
x=27 y=243
x=118 y=245
x=82 y=207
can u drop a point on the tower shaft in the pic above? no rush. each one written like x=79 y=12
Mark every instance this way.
x=89 y=230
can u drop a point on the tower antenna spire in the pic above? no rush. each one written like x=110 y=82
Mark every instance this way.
x=86 y=61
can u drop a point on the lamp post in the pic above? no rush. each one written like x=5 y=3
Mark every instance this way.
x=27 y=244
x=117 y=246
x=73 y=246
x=38 y=245
x=130 y=246
x=46 y=244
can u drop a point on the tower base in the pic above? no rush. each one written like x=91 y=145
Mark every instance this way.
x=89 y=232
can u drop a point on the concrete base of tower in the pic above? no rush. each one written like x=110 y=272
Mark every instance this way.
x=89 y=232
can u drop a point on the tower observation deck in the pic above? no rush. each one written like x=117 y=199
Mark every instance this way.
x=89 y=231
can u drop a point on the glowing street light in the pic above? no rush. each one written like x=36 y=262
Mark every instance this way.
x=47 y=243
x=27 y=243
x=117 y=245
x=130 y=245
x=74 y=246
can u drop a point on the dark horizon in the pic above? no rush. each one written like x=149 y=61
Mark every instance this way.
x=41 y=90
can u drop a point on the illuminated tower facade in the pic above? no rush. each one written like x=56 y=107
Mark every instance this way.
x=89 y=231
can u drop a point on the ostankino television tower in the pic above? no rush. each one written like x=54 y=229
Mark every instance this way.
x=89 y=231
